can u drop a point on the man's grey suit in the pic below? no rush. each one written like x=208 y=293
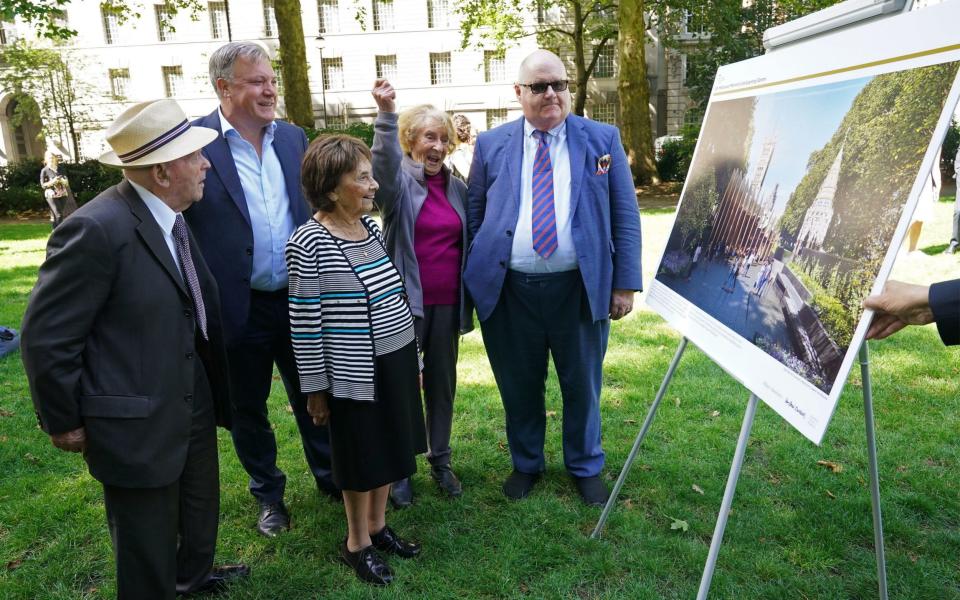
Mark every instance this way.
x=110 y=344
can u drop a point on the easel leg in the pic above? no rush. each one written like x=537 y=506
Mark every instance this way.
x=728 y=497
x=636 y=444
x=874 y=471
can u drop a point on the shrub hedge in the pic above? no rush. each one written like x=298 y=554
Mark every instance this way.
x=20 y=190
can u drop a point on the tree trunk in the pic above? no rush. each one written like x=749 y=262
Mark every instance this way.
x=580 y=94
x=293 y=63
x=634 y=94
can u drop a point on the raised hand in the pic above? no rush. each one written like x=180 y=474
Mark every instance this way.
x=384 y=95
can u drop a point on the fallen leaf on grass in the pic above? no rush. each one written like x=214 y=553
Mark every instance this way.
x=628 y=504
x=698 y=489
x=551 y=414
x=835 y=467
x=6 y=413
x=501 y=446
x=676 y=401
x=646 y=467
x=289 y=409
x=679 y=524
x=14 y=564
x=830 y=494
x=715 y=414
x=524 y=588
x=31 y=458
x=630 y=421
x=901 y=468
x=3 y=438
x=913 y=557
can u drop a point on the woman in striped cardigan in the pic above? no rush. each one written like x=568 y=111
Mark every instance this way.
x=355 y=349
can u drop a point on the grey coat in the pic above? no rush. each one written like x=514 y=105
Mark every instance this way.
x=403 y=190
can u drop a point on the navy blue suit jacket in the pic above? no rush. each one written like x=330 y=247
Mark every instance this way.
x=605 y=223
x=220 y=222
x=945 y=303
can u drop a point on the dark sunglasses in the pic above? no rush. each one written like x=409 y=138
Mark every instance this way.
x=541 y=87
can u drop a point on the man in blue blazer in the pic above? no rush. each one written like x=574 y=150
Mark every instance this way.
x=252 y=202
x=554 y=255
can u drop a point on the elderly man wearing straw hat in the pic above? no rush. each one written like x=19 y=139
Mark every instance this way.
x=122 y=345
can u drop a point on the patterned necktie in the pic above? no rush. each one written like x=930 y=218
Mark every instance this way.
x=544 y=219
x=182 y=243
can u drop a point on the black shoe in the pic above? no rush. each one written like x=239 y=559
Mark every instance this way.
x=518 y=485
x=273 y=519
x=447 y=481
x=330 y=492
x=593 y=491
x=401 y=493
x=220 y=579
x=367 y=564
x=388 y=541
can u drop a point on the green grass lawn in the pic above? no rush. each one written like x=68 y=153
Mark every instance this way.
x=797 y=529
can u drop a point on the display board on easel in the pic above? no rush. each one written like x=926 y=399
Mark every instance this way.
x=801 y=188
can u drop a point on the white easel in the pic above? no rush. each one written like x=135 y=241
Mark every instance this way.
x=738 y=456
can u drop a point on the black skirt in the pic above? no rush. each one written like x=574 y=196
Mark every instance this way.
x=376 y=443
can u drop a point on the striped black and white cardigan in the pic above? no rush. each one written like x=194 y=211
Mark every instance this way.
x=330 y=321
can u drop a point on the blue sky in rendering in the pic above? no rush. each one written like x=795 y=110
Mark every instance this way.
x=801 y=121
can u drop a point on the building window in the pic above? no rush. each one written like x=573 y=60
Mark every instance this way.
x=329 y=13
x=172 y=81
x=604 y=112
x=440 y=68
x=335 y=121
x=58 y=17
x=218 y=20
x=110 y=27
x=495 y=117
x=387 y=67
x=494 y=66
x=269 y=19
x=119 y=81
x=694 y=22
x=333 y=73
x=438 y=13
x=604 y=67
x=382 y=15
x=164 y=15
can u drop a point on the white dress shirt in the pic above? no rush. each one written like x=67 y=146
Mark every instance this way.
x=523 y=257
x=165 y=217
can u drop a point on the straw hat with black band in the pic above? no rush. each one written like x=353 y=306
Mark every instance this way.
x=151 y=133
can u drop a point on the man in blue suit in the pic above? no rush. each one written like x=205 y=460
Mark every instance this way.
x=554 y=255
x=252 y=202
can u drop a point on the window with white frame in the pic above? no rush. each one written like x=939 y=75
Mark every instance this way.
x=333 y=73
x=604 y=68
x=694 y=22
x=269 y=19
x=119 y=82
x=164 y=15
x=172 y=81
x=440 y=68
x=438 y=13
x=335 y=121
x=59 y=18
x=218 y=20
x=329 y=13
x=110 y=26
x=383 y=15
x=604 y=112
x=494 y=65
x=496 y=117
x=386 y=66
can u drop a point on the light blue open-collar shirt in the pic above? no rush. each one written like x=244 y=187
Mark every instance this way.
x=265 y=190
x=523 y=257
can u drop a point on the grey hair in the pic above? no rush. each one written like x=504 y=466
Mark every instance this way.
x=221 y=61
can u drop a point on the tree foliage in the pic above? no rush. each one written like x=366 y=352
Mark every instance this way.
x=585 y=26
x=42 y=82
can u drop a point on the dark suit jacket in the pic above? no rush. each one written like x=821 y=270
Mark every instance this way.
x=605 y=225
x=945 y=303
x=221 y=221
x=109 y=342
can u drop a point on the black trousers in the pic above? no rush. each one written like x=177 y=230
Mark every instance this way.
x=438 y=333
x=265 y=342
x=955 y=238
x=164 y=538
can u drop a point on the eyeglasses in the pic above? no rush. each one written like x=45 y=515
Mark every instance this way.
x=541 y=87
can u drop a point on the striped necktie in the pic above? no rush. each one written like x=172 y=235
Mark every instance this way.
x=182 y=242
x=544 y=218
